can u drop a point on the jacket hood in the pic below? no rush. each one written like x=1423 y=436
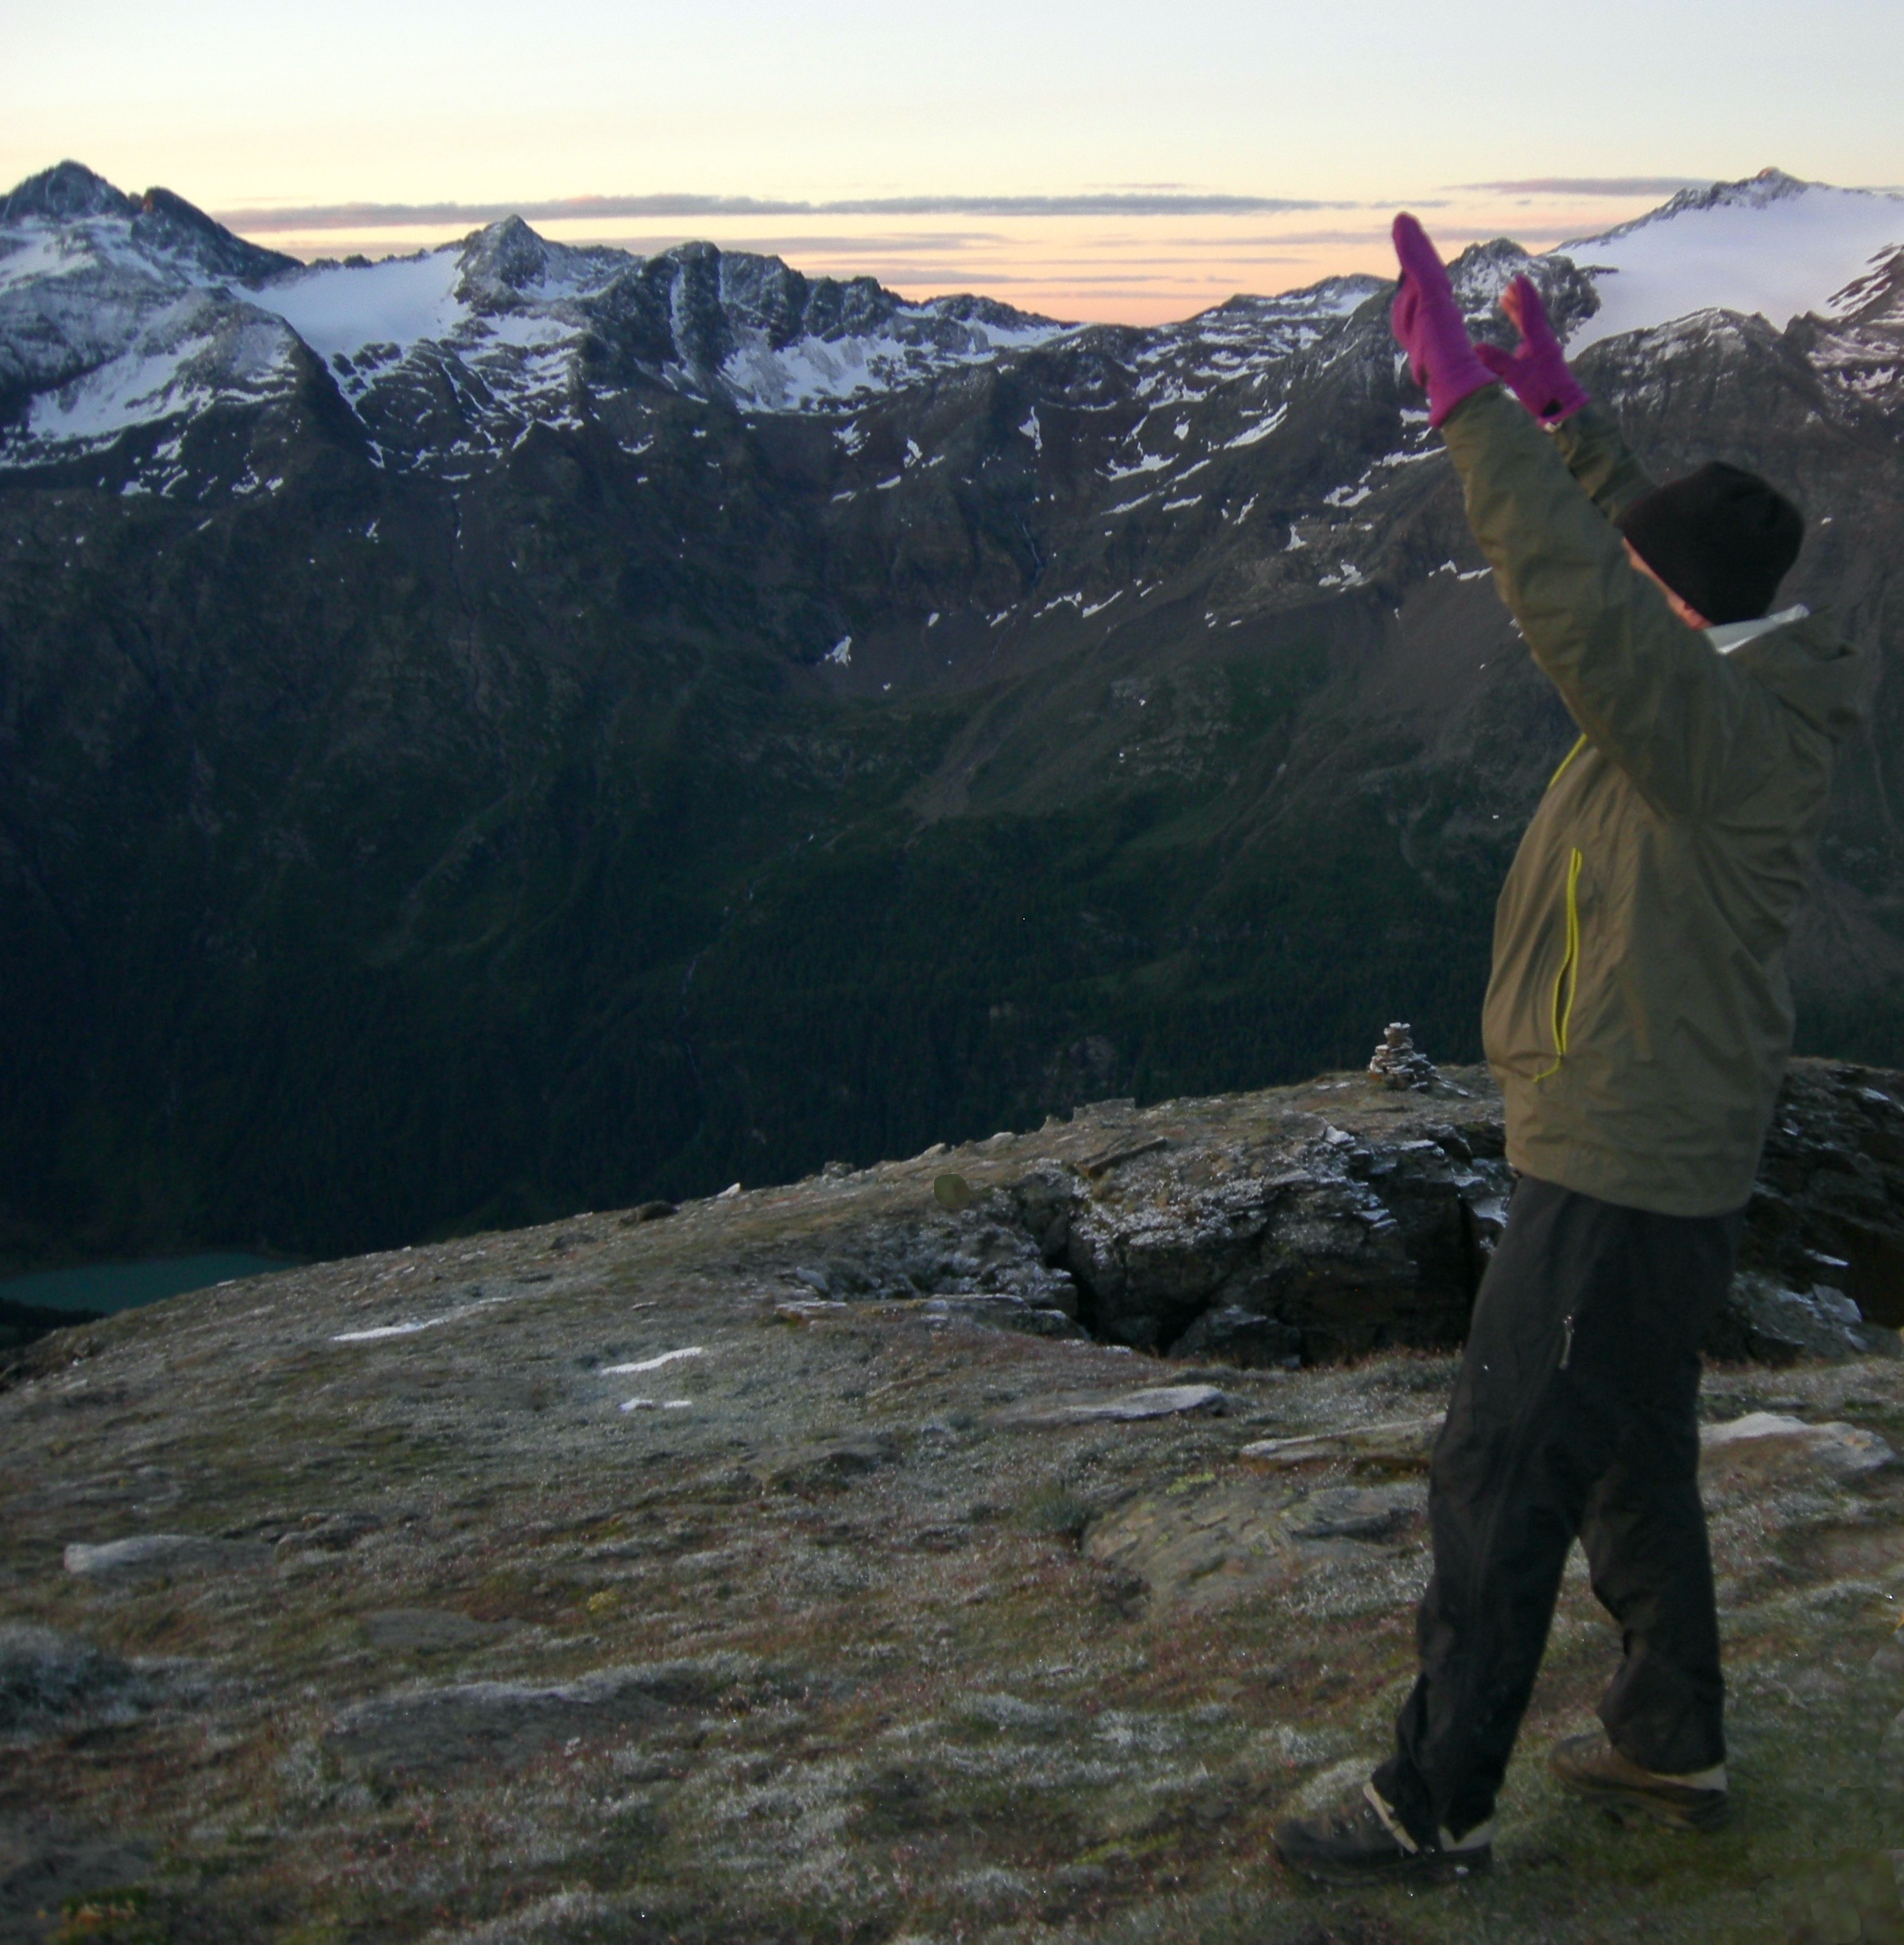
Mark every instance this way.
x=1811 y=668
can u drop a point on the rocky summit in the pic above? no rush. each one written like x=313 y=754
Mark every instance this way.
x=521 y=727
x=990 y=1545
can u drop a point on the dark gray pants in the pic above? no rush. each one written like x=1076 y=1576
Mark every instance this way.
x=1575 y=1413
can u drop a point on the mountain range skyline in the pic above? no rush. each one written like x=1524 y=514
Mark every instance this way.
x=1099 y=165
x=525 y=727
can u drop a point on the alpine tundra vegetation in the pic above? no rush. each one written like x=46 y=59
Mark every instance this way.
x=843 y=1560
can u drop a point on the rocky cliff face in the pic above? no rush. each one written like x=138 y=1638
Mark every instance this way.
x=522 y=727
x=728 y=1574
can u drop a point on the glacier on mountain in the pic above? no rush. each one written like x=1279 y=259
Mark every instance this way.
x=1772 y=246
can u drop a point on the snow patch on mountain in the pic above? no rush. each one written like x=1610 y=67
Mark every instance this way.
x=1772 y=246
x=820 y=374
x=190 y=356
x=337 y=308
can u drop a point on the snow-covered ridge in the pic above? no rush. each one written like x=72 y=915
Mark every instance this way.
x=115 y=311
x=709 y=320
x=1769 y=245
x=120 y=313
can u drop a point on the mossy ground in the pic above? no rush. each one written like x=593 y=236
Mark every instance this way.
x=894 y=1697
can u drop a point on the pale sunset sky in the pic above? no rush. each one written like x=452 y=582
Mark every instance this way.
x=1109 y=160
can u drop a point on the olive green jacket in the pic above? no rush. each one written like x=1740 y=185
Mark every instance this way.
x=1639 y=1017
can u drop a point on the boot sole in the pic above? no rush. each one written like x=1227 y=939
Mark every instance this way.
x=1630 y=1804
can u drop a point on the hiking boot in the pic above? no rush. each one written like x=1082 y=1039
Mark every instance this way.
x=1365 y=1843
x=1590 y=1766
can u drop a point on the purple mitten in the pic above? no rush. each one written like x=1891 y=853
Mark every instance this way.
x=1537 y=374
x=1429 y=325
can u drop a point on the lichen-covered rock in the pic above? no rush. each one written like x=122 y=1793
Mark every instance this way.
x=1828 y=1207
x=1763 y=1320
x=436 y=1731
x=44 y=1671
x=1120 y=1407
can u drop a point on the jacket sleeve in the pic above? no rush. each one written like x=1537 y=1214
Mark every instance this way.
x=1600 y=459
x=1693 y=730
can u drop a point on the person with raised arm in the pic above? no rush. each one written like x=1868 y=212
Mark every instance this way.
x=1639 y=1020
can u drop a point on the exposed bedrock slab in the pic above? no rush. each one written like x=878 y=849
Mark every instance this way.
x=433 y=1732
x=1766 y=1441
x=1320 y=1224
x=1773 y=1441
x=1404 y=1445
x=326 y=1533
x=1118 y=1407
x=46 y=1860
x=151 y=1556
x=1208 y=1545
x=428 y=1630
x=1205 y=1541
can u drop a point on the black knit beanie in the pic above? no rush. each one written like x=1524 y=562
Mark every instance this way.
x=1721 y=539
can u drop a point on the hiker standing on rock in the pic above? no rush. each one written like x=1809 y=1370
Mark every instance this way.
x=1639 y=1020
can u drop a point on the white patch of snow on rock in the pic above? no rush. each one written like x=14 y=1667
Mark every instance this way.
x=1262 y=429
x=654 y=1364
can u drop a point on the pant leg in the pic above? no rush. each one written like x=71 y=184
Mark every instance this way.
x=1584 y=1349
x=1512 y=1469
x=1645 y=1532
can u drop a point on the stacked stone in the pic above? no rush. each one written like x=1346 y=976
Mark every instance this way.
x=1398 y=1063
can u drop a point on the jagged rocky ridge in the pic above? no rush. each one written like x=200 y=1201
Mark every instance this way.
x=1345 y=1218
x=522 y=727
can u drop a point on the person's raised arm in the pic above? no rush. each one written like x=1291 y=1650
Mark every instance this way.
x=1537 y=373
x=1688 y=727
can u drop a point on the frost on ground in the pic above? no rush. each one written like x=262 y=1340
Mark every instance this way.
x=904 y=1625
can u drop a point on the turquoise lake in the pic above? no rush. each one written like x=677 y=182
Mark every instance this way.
x=125 y=1286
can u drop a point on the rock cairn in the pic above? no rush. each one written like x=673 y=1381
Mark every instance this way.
x=1398 y=1062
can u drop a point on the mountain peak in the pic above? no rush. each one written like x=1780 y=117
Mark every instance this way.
x=64 y=193
x=175 y=224
x=1768 y=186
x=1768 y=244
x=1749 y=192
x=162 y=222
x=503 y=260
